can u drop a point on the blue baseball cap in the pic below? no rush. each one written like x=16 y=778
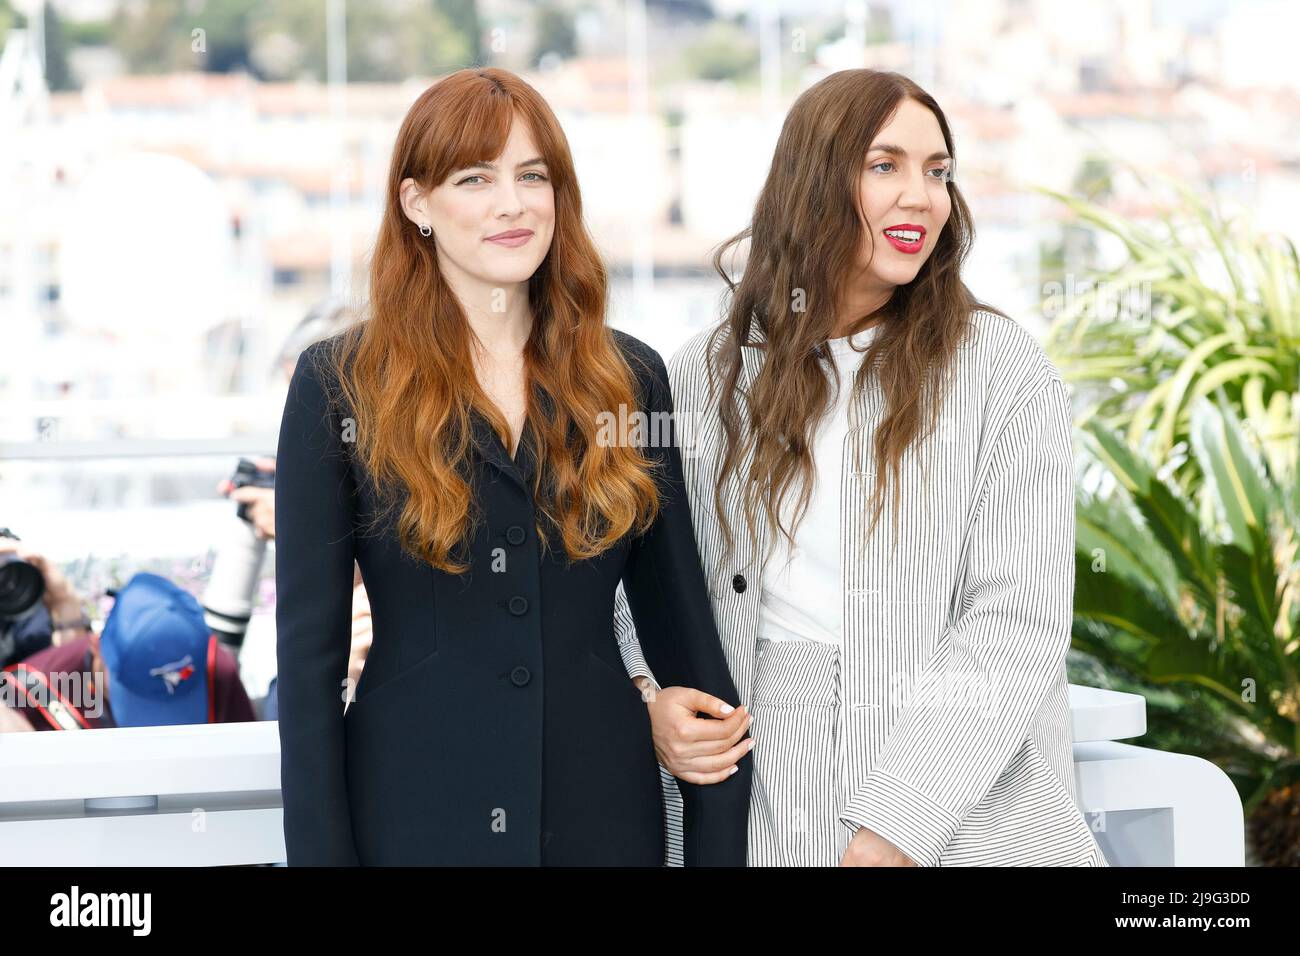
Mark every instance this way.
x=155 y=649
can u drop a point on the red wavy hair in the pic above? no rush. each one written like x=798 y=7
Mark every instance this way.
x=406 y=372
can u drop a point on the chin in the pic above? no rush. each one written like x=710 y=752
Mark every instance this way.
x=508 y=275
x=905 y=275
x=892 y=279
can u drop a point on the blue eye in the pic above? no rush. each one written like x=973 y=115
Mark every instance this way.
x=540 y=178
x=943 y=171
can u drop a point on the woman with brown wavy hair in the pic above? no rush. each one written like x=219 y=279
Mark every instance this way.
x=453 y=445
x=907 y=690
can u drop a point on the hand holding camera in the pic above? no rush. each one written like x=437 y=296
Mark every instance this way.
x=28 y=582
x=253 y=486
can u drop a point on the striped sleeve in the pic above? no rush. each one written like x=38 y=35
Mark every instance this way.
x=970 y=708
x=669 y=601
x=628 y=645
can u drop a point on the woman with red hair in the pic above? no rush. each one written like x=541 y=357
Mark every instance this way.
x=451 y=444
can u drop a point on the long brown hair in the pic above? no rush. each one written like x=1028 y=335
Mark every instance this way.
x=407 y=374
x=804 y=237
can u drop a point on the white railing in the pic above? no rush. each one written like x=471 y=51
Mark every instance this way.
x=192 y=795
x=209 y=794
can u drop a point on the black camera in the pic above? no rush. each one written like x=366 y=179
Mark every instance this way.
x=25 y=625
x=247 y=473
x=21 y=584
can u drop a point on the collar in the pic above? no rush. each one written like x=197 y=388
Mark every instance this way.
x=522 y=468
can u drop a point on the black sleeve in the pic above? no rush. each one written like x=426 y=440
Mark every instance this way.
x=669 y=600
x=314 y=494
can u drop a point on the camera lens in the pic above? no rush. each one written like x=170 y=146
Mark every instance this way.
x=21 y=587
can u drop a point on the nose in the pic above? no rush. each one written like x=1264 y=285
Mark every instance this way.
x=508 y=201
x=915 y=195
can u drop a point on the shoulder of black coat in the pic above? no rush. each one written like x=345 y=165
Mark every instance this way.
x=318 y=361
x=340 y=343
x=646 y=364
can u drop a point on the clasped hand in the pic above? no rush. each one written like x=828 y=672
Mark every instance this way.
x=705 y=750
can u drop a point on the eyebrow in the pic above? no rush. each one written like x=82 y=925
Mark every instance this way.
x=899 y=151
x=535 y=161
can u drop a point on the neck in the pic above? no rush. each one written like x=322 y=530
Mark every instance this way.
x=502 y=335
x=499 y=315
x=860 y=309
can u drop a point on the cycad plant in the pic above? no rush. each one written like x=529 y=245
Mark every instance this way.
x=1202 y=594
x=1188 y=495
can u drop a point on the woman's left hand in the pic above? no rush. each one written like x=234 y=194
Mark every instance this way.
x=868 y=848
x=700 y=750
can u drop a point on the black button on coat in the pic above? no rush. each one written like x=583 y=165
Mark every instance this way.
x=494 y=722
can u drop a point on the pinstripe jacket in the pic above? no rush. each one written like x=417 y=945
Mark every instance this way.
x=955 y=717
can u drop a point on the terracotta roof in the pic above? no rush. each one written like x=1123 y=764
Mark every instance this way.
x=169 y=89
x=1151 y=104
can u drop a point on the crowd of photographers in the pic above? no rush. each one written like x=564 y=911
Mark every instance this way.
x=161 y=655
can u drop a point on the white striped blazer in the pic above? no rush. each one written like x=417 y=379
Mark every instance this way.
x=955 y=716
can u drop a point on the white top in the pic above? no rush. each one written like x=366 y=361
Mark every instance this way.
x=802 y=595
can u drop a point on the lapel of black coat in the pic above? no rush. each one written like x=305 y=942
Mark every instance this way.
x=522 y=468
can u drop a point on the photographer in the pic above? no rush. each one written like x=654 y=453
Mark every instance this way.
x=326 y=318
x=156 y=663
x=260 y=510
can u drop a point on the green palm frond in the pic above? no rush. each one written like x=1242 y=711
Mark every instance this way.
x=1190 y=592
x=1184 y=360
x=1202 y=307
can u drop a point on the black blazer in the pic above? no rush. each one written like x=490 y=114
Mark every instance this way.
x=494 y=722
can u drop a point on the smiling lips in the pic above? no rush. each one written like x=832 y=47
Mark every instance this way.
x=512 y=238
x=906 y=237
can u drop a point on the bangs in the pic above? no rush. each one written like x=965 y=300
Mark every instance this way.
x=474 y=131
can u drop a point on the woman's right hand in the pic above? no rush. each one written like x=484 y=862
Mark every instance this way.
x=698 y=749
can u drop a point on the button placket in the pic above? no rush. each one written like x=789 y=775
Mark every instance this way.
x=518 y=604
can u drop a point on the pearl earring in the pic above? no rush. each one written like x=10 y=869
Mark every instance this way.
x=426 y=230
